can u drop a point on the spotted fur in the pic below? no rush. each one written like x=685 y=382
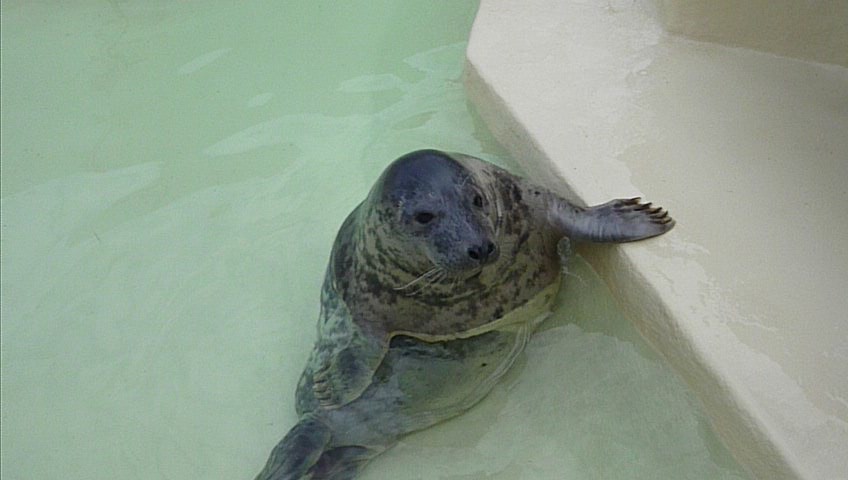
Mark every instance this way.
x=434 y=285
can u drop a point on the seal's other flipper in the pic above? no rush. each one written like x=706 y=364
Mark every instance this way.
x=617 y=221
x=298 y=452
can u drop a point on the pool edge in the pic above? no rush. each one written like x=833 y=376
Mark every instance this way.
x=640 y=285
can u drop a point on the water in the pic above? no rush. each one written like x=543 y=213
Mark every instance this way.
x=173 y=174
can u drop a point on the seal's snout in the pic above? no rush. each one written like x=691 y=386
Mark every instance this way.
x=484 y=253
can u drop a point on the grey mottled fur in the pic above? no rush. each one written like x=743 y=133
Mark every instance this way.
x=419 y=321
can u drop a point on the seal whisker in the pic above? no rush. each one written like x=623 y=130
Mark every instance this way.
x=499 y=213
x=429 y=273
x=430 y=280
x=465 y=180
x=455 y=283
x=574 y=275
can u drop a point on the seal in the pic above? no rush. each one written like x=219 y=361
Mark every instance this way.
x=435 y=282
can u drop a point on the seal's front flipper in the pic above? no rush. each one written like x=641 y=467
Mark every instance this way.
x=343 y=365
x=298 y=451
x=617 y=221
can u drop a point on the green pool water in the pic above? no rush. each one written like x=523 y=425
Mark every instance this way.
x=173 y=174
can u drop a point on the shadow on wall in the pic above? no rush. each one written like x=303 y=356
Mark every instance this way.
x=815 y=31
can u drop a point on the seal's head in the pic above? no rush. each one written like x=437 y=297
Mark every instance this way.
x=439 y=211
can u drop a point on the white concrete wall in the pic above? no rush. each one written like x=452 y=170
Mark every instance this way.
x=748 y=150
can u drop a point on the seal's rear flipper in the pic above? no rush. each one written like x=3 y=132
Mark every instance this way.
x=297 y=452
x=342 y=463
x=617 y=221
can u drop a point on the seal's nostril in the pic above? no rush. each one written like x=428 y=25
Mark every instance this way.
x=483 y=252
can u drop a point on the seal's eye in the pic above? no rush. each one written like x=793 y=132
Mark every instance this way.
x=424 y=217
x=478 y=200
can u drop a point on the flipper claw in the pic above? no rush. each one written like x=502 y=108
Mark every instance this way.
x=622 y=220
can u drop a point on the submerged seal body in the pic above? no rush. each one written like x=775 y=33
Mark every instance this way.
x=434 y=285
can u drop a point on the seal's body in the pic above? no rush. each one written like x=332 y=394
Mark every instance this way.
x=434 y=285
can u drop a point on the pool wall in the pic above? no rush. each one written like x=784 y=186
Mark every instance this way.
x=743 y=139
